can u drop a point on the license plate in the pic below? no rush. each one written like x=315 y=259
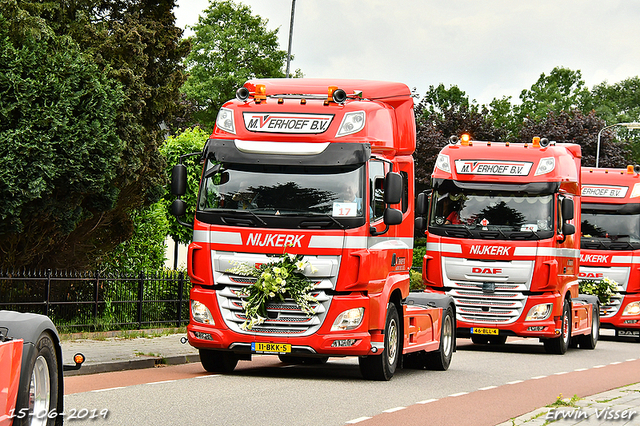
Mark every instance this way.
x=270 y=348
x=629 y=333
x=493 y=331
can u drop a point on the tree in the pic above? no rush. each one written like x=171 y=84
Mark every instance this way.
x=136 y=44
x=443 y=113
x=620 y=103
x=145 y=250
x=562 y=90
x=59 y=150
x=230 y=46
x=575 y=127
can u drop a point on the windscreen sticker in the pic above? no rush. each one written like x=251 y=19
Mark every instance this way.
x=287 y=123
x=604 y=191
x=345 y=209
x=489 y=167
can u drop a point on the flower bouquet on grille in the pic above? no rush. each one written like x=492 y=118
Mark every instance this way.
x=604 y=289
x=275 y=281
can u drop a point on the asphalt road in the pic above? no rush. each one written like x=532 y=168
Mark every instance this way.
x=488 y=384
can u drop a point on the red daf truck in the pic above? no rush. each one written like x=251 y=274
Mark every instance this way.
x=322 y=170
x=610 y=244
x=503 y=240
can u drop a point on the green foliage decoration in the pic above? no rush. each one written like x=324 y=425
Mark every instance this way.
x=275 y=281
x=604 y=289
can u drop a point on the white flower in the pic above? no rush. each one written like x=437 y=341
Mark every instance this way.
x=300 y=265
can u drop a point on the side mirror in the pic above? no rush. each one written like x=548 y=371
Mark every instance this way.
x=392 y=188
x=392 y=216
x=567 y=209
x=568 y=229
x=420 y=223
x=422 y=204
x=179 y=180
x=178 y=208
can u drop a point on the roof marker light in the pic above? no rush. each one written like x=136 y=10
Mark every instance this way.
x=536 y=142
x=465 y=139
x=260 y=93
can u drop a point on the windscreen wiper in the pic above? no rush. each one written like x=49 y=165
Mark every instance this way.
x=323 y=215
x=242 y=211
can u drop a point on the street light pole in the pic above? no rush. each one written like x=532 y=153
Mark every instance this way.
x=630 y=126
x=293 y=10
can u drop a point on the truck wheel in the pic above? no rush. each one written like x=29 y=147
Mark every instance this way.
x=38 y=391
x=218 y=361
x=589 y=341
x=383 y=366
x=560 y=344
x=441 y=359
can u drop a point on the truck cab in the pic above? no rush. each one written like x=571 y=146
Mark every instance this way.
x=503 y=240
x=321 y=170
x=610 y=243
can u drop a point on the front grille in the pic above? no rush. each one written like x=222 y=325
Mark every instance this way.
x=284 y=318
x=611 y=309
x=497 y=307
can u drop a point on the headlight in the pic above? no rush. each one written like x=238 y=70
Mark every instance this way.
x=348 y=320
x=352 y=122
x=539 y=312
x=200 y=313
x=632 y=308
x=224 y=120
x=546 y=165
x=442 y=162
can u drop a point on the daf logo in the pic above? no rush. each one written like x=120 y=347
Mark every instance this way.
x=590 y=275
x=490 y=271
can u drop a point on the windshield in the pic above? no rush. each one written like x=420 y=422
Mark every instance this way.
x=610 y=230
x=269 y=191
x=485 y=214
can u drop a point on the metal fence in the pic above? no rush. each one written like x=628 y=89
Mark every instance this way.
x=91 y=301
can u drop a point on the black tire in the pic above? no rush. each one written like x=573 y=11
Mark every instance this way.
x=218 y=361
x=383 y=366
x=38 y=392
x=559 y=345
x=589 y=341
x=441 y=359
x=292 y=359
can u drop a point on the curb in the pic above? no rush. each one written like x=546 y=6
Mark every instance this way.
x=137 y=364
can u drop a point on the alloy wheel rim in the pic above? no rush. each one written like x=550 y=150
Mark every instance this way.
x=39 y=392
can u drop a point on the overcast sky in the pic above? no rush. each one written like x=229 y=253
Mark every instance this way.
x=488 y=48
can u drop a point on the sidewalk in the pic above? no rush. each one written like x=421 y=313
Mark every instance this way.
x=615 y=407
x=104 y=354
